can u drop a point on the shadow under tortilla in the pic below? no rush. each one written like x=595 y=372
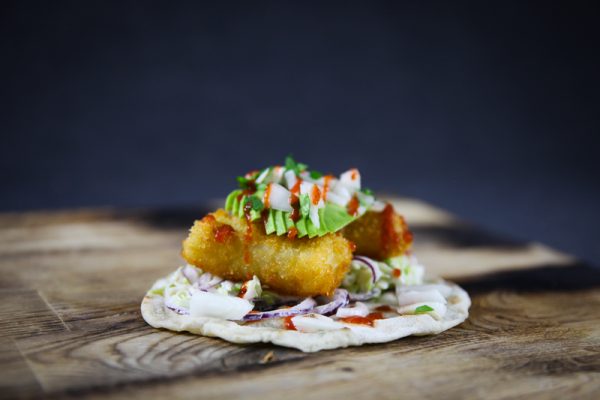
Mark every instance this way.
x=568 y=277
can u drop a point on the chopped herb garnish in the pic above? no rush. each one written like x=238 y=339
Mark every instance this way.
x=423 y=309
x=292 y=165
x=244 y=182
x=315 y=174
x=255 y=203
x=367 y=191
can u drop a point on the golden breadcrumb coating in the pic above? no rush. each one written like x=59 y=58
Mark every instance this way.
x=223 y=245
x=379 y=235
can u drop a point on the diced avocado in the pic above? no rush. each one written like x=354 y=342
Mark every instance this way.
x=322 y=231
x=260 y=194
x=289 y=222
x=254 y=215
x=280 y=222
x=301 y=226
x=311 y=228
x=235 y=206
x=334 y=217
x=240 y=210
x=304 y=205
x=270 y=225
x=231 y=200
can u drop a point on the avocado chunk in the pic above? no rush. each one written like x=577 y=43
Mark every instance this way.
x=334 y=217
x=230 y=202
x=280 y=225
x=270 y=225
x=301 y=226
x=311 y=228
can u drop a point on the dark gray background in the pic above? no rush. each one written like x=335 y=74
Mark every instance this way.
x=489 y=111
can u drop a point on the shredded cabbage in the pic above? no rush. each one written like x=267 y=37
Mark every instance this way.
x=411 y=271
x=178 y=290
x=396 y=271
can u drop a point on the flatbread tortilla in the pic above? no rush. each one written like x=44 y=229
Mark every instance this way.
x=391 y=328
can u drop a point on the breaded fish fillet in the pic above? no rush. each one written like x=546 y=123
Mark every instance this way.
x=224 y=245
x=379 y=235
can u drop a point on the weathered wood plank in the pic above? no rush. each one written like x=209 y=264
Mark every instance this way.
x=70 y=325
x=23 y=313
x=16 y=378
x=135 y=354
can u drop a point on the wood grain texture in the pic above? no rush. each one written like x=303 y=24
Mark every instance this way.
x=70 y=325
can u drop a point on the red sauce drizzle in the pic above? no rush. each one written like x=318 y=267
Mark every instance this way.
x=248 y=235
x=296 y=188
x=267 y=196
x=368 y=320
x=389 y=236
x=295 y=203
x=292 y=233
x=353 y=205
x=407 y=235
x=247 y=192
x=354 y=174
x=326 y=181
x=209 y=218
x=247 y=209
x=352 y=246
x=251 y=189
x=315 y=196
x=264 y=215
x=243 y=290
x=223 y=232
x=385 y=308
x=396 y=273
x=289 y=324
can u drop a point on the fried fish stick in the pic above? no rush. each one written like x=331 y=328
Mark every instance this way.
x=224 y=245
x=379 y=235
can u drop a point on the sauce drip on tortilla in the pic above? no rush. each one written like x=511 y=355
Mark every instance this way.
x=289 y=324
x=368 y=320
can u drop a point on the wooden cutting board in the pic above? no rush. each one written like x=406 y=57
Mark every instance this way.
x=71 y=284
